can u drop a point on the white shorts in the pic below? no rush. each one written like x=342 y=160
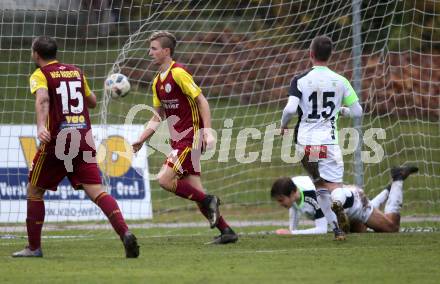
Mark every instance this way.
x=361 y=209
x=329 y=158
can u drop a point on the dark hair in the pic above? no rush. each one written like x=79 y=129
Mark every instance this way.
x=166 y=39
x=46 y=47
x=282 y=186
x=322 y=47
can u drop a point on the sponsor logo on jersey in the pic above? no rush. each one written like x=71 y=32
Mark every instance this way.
x=168 y=88
x=170 y=104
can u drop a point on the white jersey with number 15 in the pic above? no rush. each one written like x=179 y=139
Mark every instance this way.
x=321 y=94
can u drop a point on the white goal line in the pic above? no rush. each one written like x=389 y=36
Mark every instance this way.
x=239 y=224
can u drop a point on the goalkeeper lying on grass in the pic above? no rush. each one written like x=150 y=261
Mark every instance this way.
x=299 y=196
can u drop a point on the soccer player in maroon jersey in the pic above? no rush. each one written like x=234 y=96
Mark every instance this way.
x=177 y=97
x=62 y=101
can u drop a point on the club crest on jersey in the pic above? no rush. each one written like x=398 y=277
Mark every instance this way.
x=33 y=83
x=168 y=88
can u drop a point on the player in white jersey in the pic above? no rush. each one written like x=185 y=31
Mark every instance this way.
x=318 y=96
x=362 y=213
x=298 y=194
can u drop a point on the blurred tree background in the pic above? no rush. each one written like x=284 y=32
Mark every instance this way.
x=398 y=24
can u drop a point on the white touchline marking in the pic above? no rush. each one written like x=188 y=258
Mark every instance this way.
x=271 y=251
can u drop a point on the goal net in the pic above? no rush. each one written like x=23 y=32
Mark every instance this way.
x=243 y=55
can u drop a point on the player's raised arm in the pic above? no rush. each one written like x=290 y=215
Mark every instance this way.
x=152 y=126
x=42 y=112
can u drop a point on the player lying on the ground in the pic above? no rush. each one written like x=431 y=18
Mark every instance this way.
x=299 y=196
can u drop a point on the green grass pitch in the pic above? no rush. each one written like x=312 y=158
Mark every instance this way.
x=180 y=256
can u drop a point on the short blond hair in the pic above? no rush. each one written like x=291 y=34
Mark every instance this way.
x=166 y=40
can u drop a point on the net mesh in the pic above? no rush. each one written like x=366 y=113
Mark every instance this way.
x=243 y=55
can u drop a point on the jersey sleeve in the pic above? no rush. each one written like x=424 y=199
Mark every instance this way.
x=294 y=89
x=156 y=101
x=320 y=228
x=310 y=198
x=186 y=82
x=86 y=87
x=294 y=215
x=37 y=81
x=318 y=213
x=350 y=96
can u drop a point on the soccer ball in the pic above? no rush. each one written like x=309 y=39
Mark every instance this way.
x=117 y=85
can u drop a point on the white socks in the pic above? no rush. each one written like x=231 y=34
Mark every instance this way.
x=325 y=202
x=395 y=199
x=380 y=198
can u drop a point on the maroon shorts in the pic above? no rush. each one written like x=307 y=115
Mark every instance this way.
x=48 y=171
x=184 y=161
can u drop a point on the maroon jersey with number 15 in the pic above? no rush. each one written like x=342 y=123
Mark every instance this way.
x=67 y=89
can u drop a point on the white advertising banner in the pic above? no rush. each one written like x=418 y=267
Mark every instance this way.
x=128 y=179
